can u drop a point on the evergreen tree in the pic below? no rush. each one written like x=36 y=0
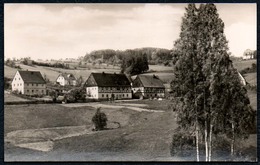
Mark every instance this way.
x=184 y=83
x=205 y=78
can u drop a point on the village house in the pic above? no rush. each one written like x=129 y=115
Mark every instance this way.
x=248 y=54
x=108 y=86
x=66 y=79
x=29 y=83
x=148 y=86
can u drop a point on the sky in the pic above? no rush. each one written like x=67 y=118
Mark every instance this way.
x=54 y=31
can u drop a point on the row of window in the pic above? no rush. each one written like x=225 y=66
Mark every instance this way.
x=28 y=84
x=35 y=84
x=107 y=96
x=34 y=90
x=110 y=88
x=18 y=84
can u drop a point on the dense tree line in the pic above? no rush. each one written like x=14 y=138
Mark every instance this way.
x=208 y=97
x=114 y=57
x=55 y=65
x=11 y=63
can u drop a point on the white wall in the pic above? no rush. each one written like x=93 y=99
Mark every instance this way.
x=17 y=83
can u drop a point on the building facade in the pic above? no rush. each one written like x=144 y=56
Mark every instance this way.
x=146 y=86
x=66 y=79
x=108 y=86
x=29 y=83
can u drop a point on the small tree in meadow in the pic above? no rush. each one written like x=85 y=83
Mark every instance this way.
x=99 y=120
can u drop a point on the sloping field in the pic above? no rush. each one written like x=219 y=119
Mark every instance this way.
x=9 y=72
x=160 y=68
x=240 y=65
x=8 y=97
x=35 y=116
x=251 y=78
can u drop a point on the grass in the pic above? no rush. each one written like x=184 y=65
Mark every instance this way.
x=253 y=98
x=52 y=73
x=251 y=78
x=9 y=72
x=35 y=116
x=240 y=65
x=11 y=98
x=144 y=134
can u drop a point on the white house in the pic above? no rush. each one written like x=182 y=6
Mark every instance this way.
x=147 y=86
x=248 y=54
x=29 y=83
x=66 y=79
x=105 y=86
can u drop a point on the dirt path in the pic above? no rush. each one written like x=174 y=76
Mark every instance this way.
x=134 y=107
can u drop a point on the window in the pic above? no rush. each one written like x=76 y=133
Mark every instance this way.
x=102 y=95
x=20 y=84
x=27 y=91
x=32 y=84
x=17 y=84
x=32 y=91
x=14 y=85
x=36 y=90
x=42 y=84
x=19 y=78
x=127 y=95
x=111 y=88
x=14 y=78
x=36 y=84
x=123 y=95
x=107 y=95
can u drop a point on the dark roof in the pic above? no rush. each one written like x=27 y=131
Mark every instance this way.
x=110 y=80
x=150 y=81
x=68 y=76
x=32 y=77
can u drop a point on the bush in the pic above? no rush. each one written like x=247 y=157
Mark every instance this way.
x=99 y=120
x=182 y=145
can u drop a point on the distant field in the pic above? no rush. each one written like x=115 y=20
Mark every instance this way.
x=160 y=68
x=52 y=73
x=165 y=77
x=240 y=65
x=9 y=72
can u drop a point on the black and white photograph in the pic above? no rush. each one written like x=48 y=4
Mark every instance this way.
x=164 y=82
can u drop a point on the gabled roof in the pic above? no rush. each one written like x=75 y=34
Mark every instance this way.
x=110 y=80
x=68 y=76
x=32 y=77
x=150 y=81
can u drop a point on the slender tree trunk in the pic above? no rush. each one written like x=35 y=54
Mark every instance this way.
x=210 y=140
x=197 y=140
x=233 y=140
x=206 y=140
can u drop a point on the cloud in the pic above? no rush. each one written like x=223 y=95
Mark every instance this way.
x=36 y=31
x=61 y=31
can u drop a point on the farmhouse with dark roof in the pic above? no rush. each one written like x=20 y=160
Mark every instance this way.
x=107 y=85
x=29 y=83
x=148 y=86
